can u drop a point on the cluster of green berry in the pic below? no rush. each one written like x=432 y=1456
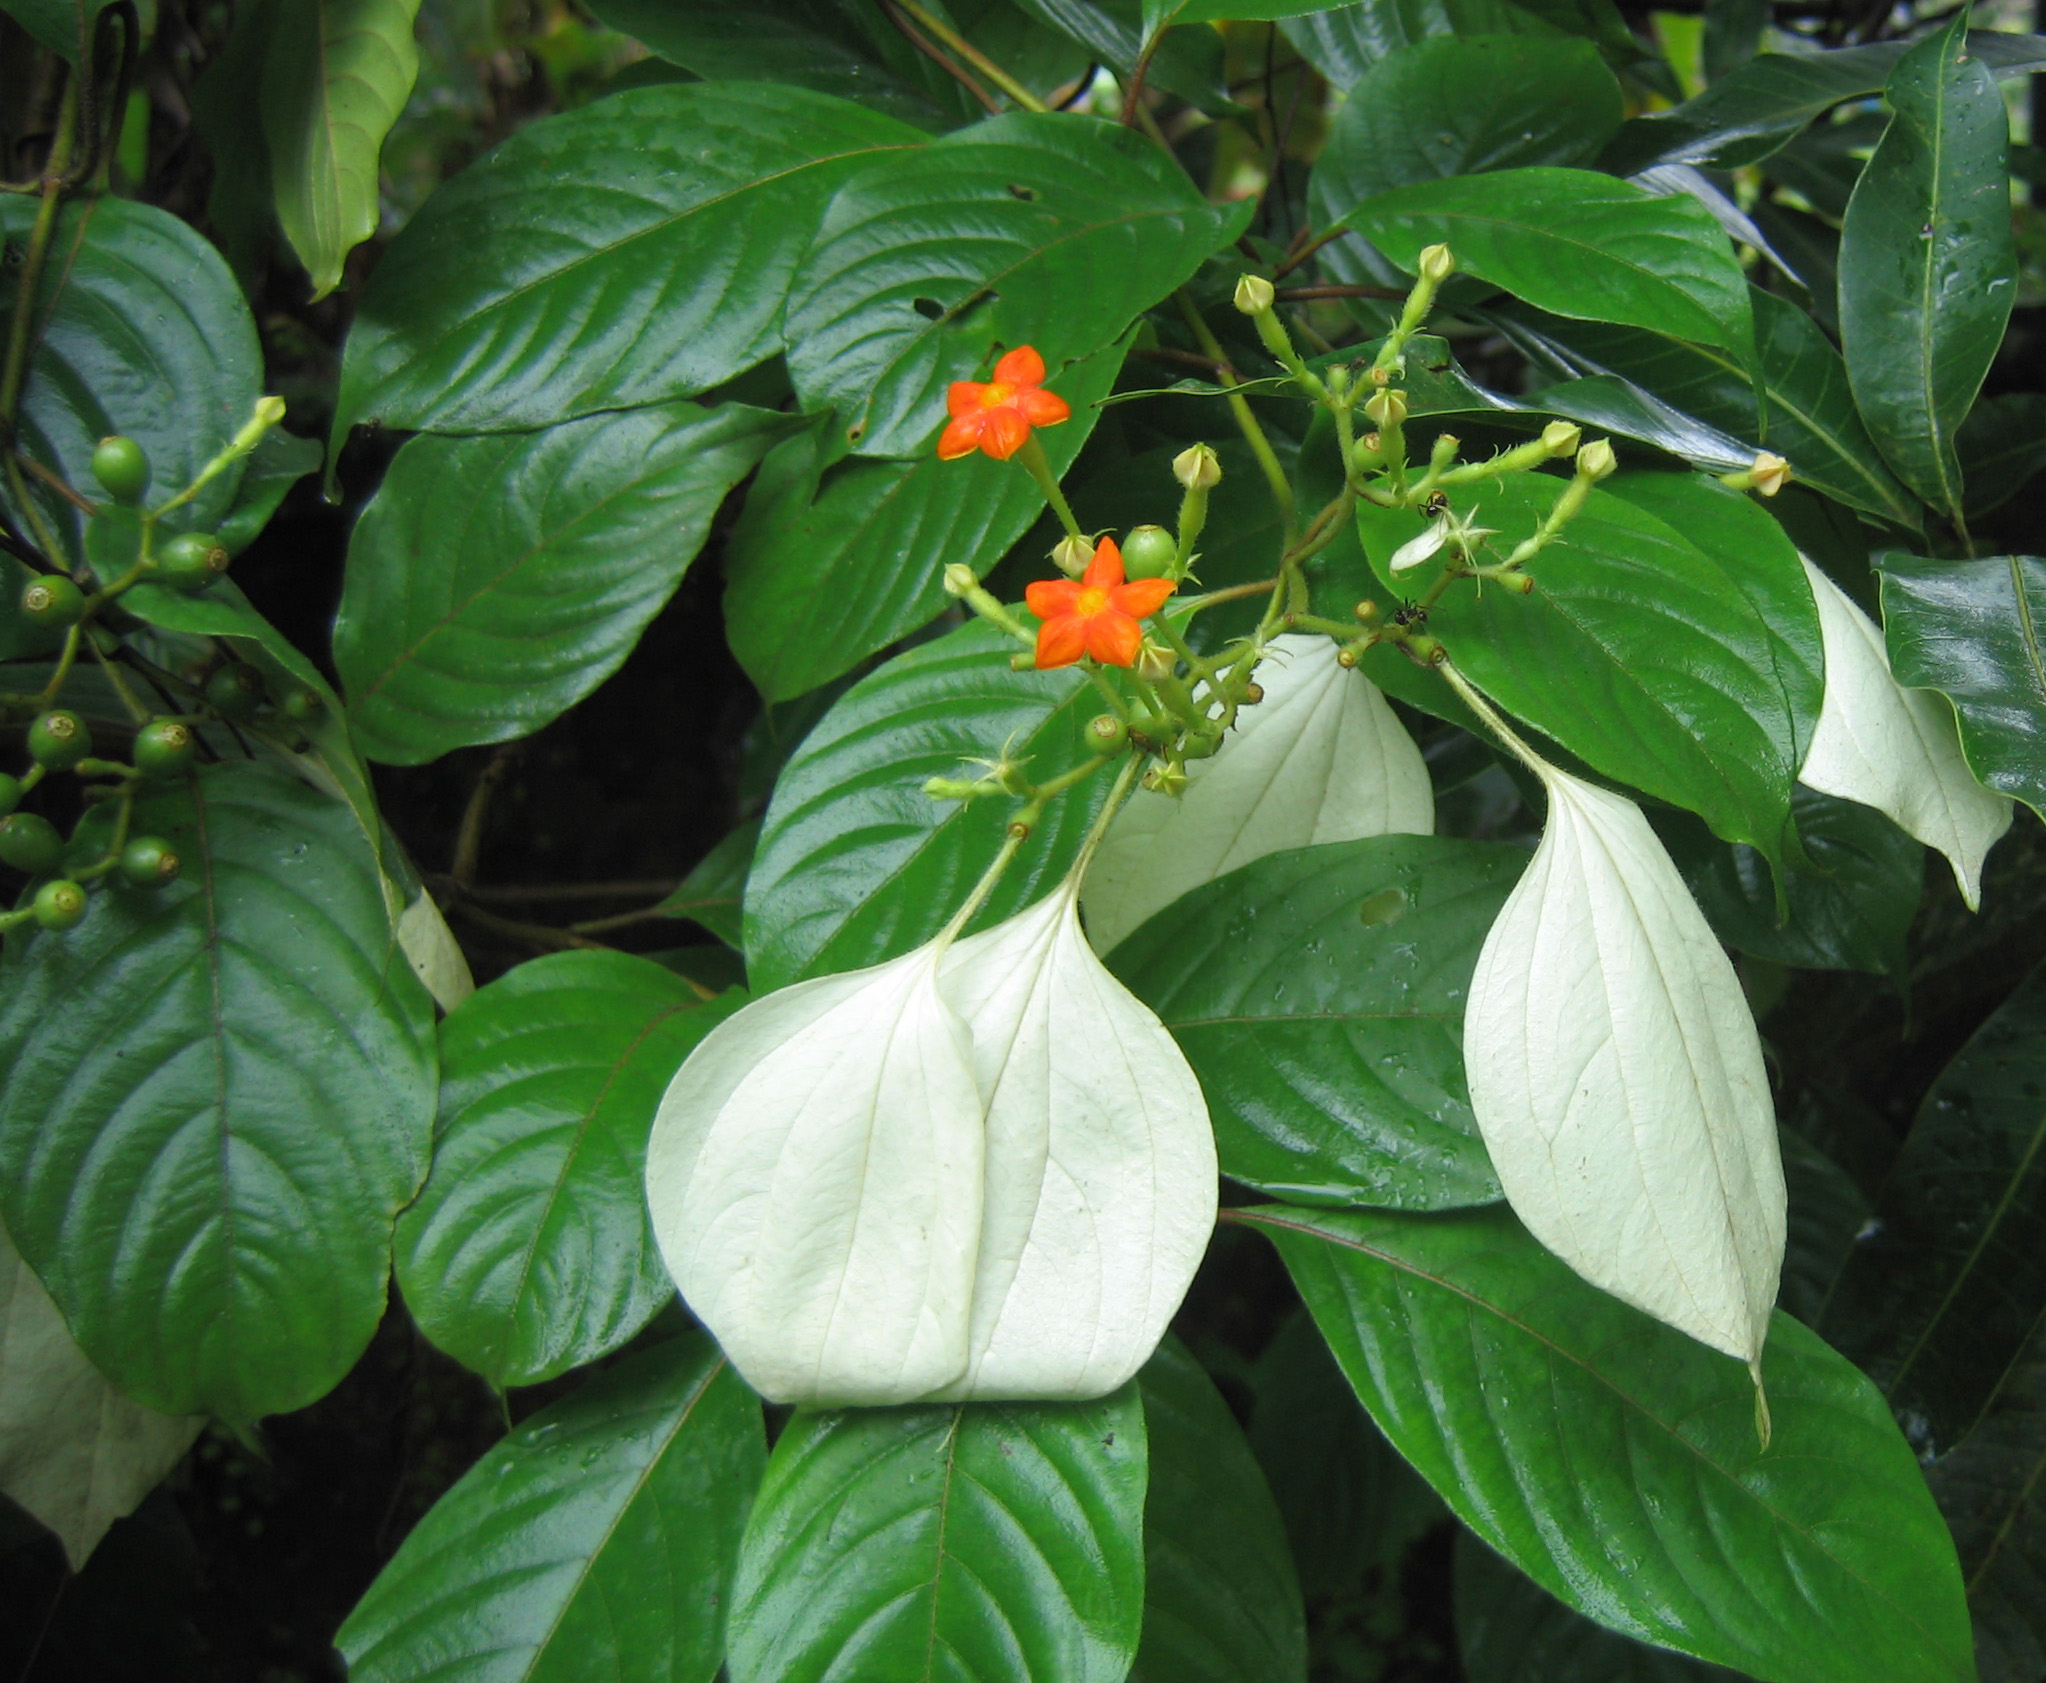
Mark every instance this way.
x=189 y=561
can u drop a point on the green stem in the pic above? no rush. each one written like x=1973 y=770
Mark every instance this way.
x=1032 y=459
x=119 y=840
x=1246 y=422
x=1493 y=722
x=55 y=686
x=973 y=56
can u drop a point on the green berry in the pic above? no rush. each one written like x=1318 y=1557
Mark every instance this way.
x=1149 y=553
x=149 y=862
x=10 y=793
x=303 y=705
x=59 y=904
x=164 y=748
x=59 y=739
x=122 y=468
x=30 y=843
x=52 y=600
x=191 y=561
x=235 y=691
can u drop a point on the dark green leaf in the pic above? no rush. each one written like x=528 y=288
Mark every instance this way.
x=1344 y=42
x=53 y=22
x=1411 y=118
x=1671 y=641
x=857 y=863
x=1973 y=631
x=1033 y=228
x=1809 y=416
x=495 y=581
x=1947 y=1287
x=528 y=1251
x=2002 y=446
x=277 y=464
x=1579 y=245
x=1606 y=403
x=633 y=251
x=1510 y=1630
x=831 y=563
x=218 y=1096
x=1928 y=264
x=1827 y=1212
x=714 y=891
x=1616 y=1462
x=143 y=332
x=1221 y=1599
x=1318 y=995
x=1851 y=900
x=996 y=1542
x=595 y=1544
x=1187 y=62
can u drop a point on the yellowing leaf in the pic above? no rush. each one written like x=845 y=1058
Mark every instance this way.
x=432 y=951
x=74 y=1451
x=1896 y=749
x=1617 y=1078
x=814 y=1176
x=1101 y=1178
x=1320 y=759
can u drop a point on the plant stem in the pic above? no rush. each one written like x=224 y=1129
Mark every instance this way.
x=1246 y=422
x=1494 y=723
x=973 y=56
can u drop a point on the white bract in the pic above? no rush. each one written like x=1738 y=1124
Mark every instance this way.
x=1101 y=1177
x=1896 y=749
x=1320 y=759
x=1416 y=550
x=1617 y=1079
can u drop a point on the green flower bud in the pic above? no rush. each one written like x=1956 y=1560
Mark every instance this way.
x=122 y=468
x=30 y=843
x=1596 y=460
x=59 y=739
x=1197 y=468
x=164 y=748
x=52 y=600
x=1771 y=473
x=960 y=580
x=1254 y=295
x=149 y=862
x=59 y=904
x=1149 y=553
x=192 y=561
x=1071 y=555
x=1561 y=438
x=1437 y=264
x=1387 y=408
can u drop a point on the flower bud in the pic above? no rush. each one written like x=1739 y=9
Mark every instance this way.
x=960 y=579
x=1154 y=661
x=1166 y=780
x=1596 y=460
x=1437 y=264
x=1254 y=295
x=1561 y=438
x=1197 y=468
x=1771 y=473
x=1071 y=555
x=1149 y=552
x=1387 y=408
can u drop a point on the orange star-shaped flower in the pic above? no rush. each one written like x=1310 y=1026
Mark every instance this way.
x=1096 y=613
x=997 y=417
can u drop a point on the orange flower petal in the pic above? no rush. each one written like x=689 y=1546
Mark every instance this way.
x=1113 y=638
x=1142 y=597
x=1049 y=598
x=1021 y=367
x=1104 y=572
x=1002 y=432
x=1061 y=641
x=962 y=397
x=961 y=436
x=1042 y=408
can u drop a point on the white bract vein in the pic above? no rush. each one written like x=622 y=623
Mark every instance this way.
x=815 y=1176
x=1101 y=1177
x=1617 y=1078
x=1416 y=550
x=1896 y=749
x=1320 y=759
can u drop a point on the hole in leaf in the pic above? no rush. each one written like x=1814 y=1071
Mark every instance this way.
x=1027 y=194
x=929 y=308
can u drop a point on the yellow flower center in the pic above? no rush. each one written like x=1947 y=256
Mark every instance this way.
x=1091 y=601
x=995 y=394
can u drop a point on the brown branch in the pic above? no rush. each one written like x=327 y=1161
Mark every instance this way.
x=938 y=56
x=511 y=893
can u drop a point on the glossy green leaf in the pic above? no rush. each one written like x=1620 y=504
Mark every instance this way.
x=1033 y=228
x=713 y=893
x=595 y=1544
x=495 y=581
x=1947 y=1286
x=1827 y=1212
x=1928 y=263
x=1616 y=1461
x=1851 y=903
x=857 y=863
x=181 y=389
x=831 y=563
x=1410 y=118
x=336 y=76
x=1807 y=415
x=276 y=464
x=219 y=1095
x=52 y=22
x=1344 y=42
x=1318 y=995
x=981 y=1543
x=1511 y=1630
x=1976 y=632
x=630 y=252
x=1577 y=244
x=528 y=1251
x=1221 y=1599
x=1670 y=642
x=2002 y=446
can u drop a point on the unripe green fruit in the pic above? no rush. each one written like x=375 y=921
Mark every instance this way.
x=1149 y=553
x=164 y=748
x=52 y=600
x=303 y=706
x=235 y=692
x=1105 y=732
x=10 y=793
x=59 y=739
x=59 y=904
x=191 y=561
x=122 y=468
x=30 y=843
x=149 y=862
